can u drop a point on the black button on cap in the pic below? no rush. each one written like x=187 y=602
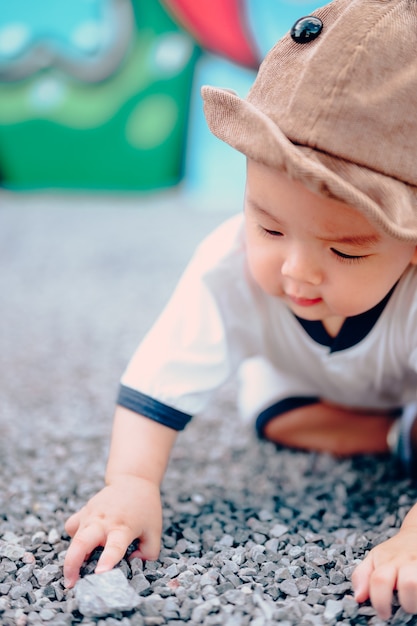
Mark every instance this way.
x=306 y=29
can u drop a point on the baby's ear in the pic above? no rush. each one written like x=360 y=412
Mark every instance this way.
x=414 y=257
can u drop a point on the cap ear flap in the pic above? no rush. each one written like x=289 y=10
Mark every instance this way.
x=205 y=88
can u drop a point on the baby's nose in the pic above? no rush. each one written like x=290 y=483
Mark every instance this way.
x=301 y=267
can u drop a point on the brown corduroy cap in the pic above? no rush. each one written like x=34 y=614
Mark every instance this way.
x=338 y=113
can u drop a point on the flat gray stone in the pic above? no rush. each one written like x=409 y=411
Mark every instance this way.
x=47 y=574
x=13 y=552
x=140 y=583
x=289 y=587
x=98 y=595
x=278 y=530
x=333 y=610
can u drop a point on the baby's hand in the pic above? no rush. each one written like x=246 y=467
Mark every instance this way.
x=390 y=565
x=127 y=509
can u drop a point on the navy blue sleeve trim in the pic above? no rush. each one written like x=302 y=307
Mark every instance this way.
x=149 y=407
x=283 y=406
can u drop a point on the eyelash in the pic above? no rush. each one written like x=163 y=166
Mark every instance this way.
x=270 y=233
x=347 y=258
x=341 y=256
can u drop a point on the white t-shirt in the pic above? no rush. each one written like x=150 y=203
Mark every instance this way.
x=219 y=321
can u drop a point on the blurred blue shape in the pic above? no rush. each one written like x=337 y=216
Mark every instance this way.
x=214 y=171
x=74 y=27
x=269 y=20
x=85 y=38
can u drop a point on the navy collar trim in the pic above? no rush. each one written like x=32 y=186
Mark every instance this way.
x=353 y=330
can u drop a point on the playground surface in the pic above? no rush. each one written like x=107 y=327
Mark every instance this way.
x=252 y=534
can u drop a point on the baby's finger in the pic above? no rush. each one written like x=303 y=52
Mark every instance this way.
x=80 y=547
x=149 y=547
x=115 y=548
x=407 y=587
x=361 y=577
x=382 y=584
x=72 y=524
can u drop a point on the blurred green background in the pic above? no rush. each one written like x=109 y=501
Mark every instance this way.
x=104 y=94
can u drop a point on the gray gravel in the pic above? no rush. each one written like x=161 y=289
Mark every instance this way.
x=252 y=534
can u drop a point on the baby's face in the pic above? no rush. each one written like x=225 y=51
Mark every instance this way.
x=323 y=257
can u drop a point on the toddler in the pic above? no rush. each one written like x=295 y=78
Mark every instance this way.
x=310 y=295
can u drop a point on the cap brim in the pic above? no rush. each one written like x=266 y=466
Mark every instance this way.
x=247 y=129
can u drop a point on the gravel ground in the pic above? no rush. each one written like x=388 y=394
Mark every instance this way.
x=252 y=534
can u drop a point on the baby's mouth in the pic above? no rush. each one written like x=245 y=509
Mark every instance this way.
x=304 y=302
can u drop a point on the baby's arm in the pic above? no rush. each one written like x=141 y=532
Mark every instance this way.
x=326 y=427
x=390 y=565
x=129 y=506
